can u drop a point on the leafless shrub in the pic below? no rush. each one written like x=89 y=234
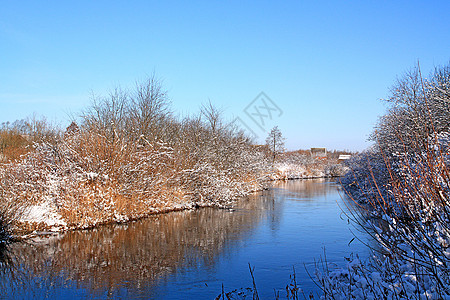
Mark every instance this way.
x=129 y=157
x=404 y=192
x=17 y=139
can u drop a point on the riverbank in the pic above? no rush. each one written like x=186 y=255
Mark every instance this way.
x=408 y=220
x=46 y=217
x=84 y=180
x=85 y=177
x=65 y=198
x=48 y=190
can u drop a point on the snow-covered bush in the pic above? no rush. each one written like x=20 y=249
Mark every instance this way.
x=412 y=232
x=218 y=164
x=292 y=165
x=404 y=188
x=300 y=164
x=127 y=158
x=336 y=170
x=364 y=169
x=418 y=108
x=208 y=184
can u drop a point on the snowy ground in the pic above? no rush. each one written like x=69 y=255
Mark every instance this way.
x=43 y=213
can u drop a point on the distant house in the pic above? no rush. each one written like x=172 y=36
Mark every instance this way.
x=319 y=153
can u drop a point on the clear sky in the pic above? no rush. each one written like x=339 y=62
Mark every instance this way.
x=324 y=64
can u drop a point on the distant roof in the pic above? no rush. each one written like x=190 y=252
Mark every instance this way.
x=344 y=156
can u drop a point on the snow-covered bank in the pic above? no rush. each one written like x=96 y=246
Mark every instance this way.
x=64 y=194
x=71 y=186
x=43 y=213
x=411 y=264
x=402 y=185
x=294 y=165
x=408 y=219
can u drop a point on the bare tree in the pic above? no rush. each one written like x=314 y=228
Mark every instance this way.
x=418 y=109
x=131 y=114
x=213 y=117
x=275 y=142
x=107 y=115
x=149 y=108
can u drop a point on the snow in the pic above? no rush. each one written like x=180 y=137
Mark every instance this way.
x=43 y=213
x=91 y=176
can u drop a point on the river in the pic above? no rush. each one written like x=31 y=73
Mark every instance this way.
x=191 y=254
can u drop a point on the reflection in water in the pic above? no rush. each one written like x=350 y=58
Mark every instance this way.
x=121 y=258
x=180 y=254
x=6 y=263
x=306 y=190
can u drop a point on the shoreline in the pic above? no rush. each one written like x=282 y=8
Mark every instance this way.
x=54 y=230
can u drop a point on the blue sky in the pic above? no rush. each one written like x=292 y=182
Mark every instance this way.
x=325 y=64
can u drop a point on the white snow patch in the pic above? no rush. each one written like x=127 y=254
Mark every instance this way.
x=91 y=176
x=42 y=213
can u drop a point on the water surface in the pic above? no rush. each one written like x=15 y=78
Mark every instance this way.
x=190 y=254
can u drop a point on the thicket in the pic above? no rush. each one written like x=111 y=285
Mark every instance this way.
x=402 y=189
x=125 y=157
x=301 y=164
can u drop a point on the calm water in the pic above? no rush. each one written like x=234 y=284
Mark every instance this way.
x=190 y=254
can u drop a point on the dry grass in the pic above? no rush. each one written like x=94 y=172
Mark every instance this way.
x=12 y=145
x=88 y=179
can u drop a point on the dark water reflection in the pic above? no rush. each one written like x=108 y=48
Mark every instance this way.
x=189 y=254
